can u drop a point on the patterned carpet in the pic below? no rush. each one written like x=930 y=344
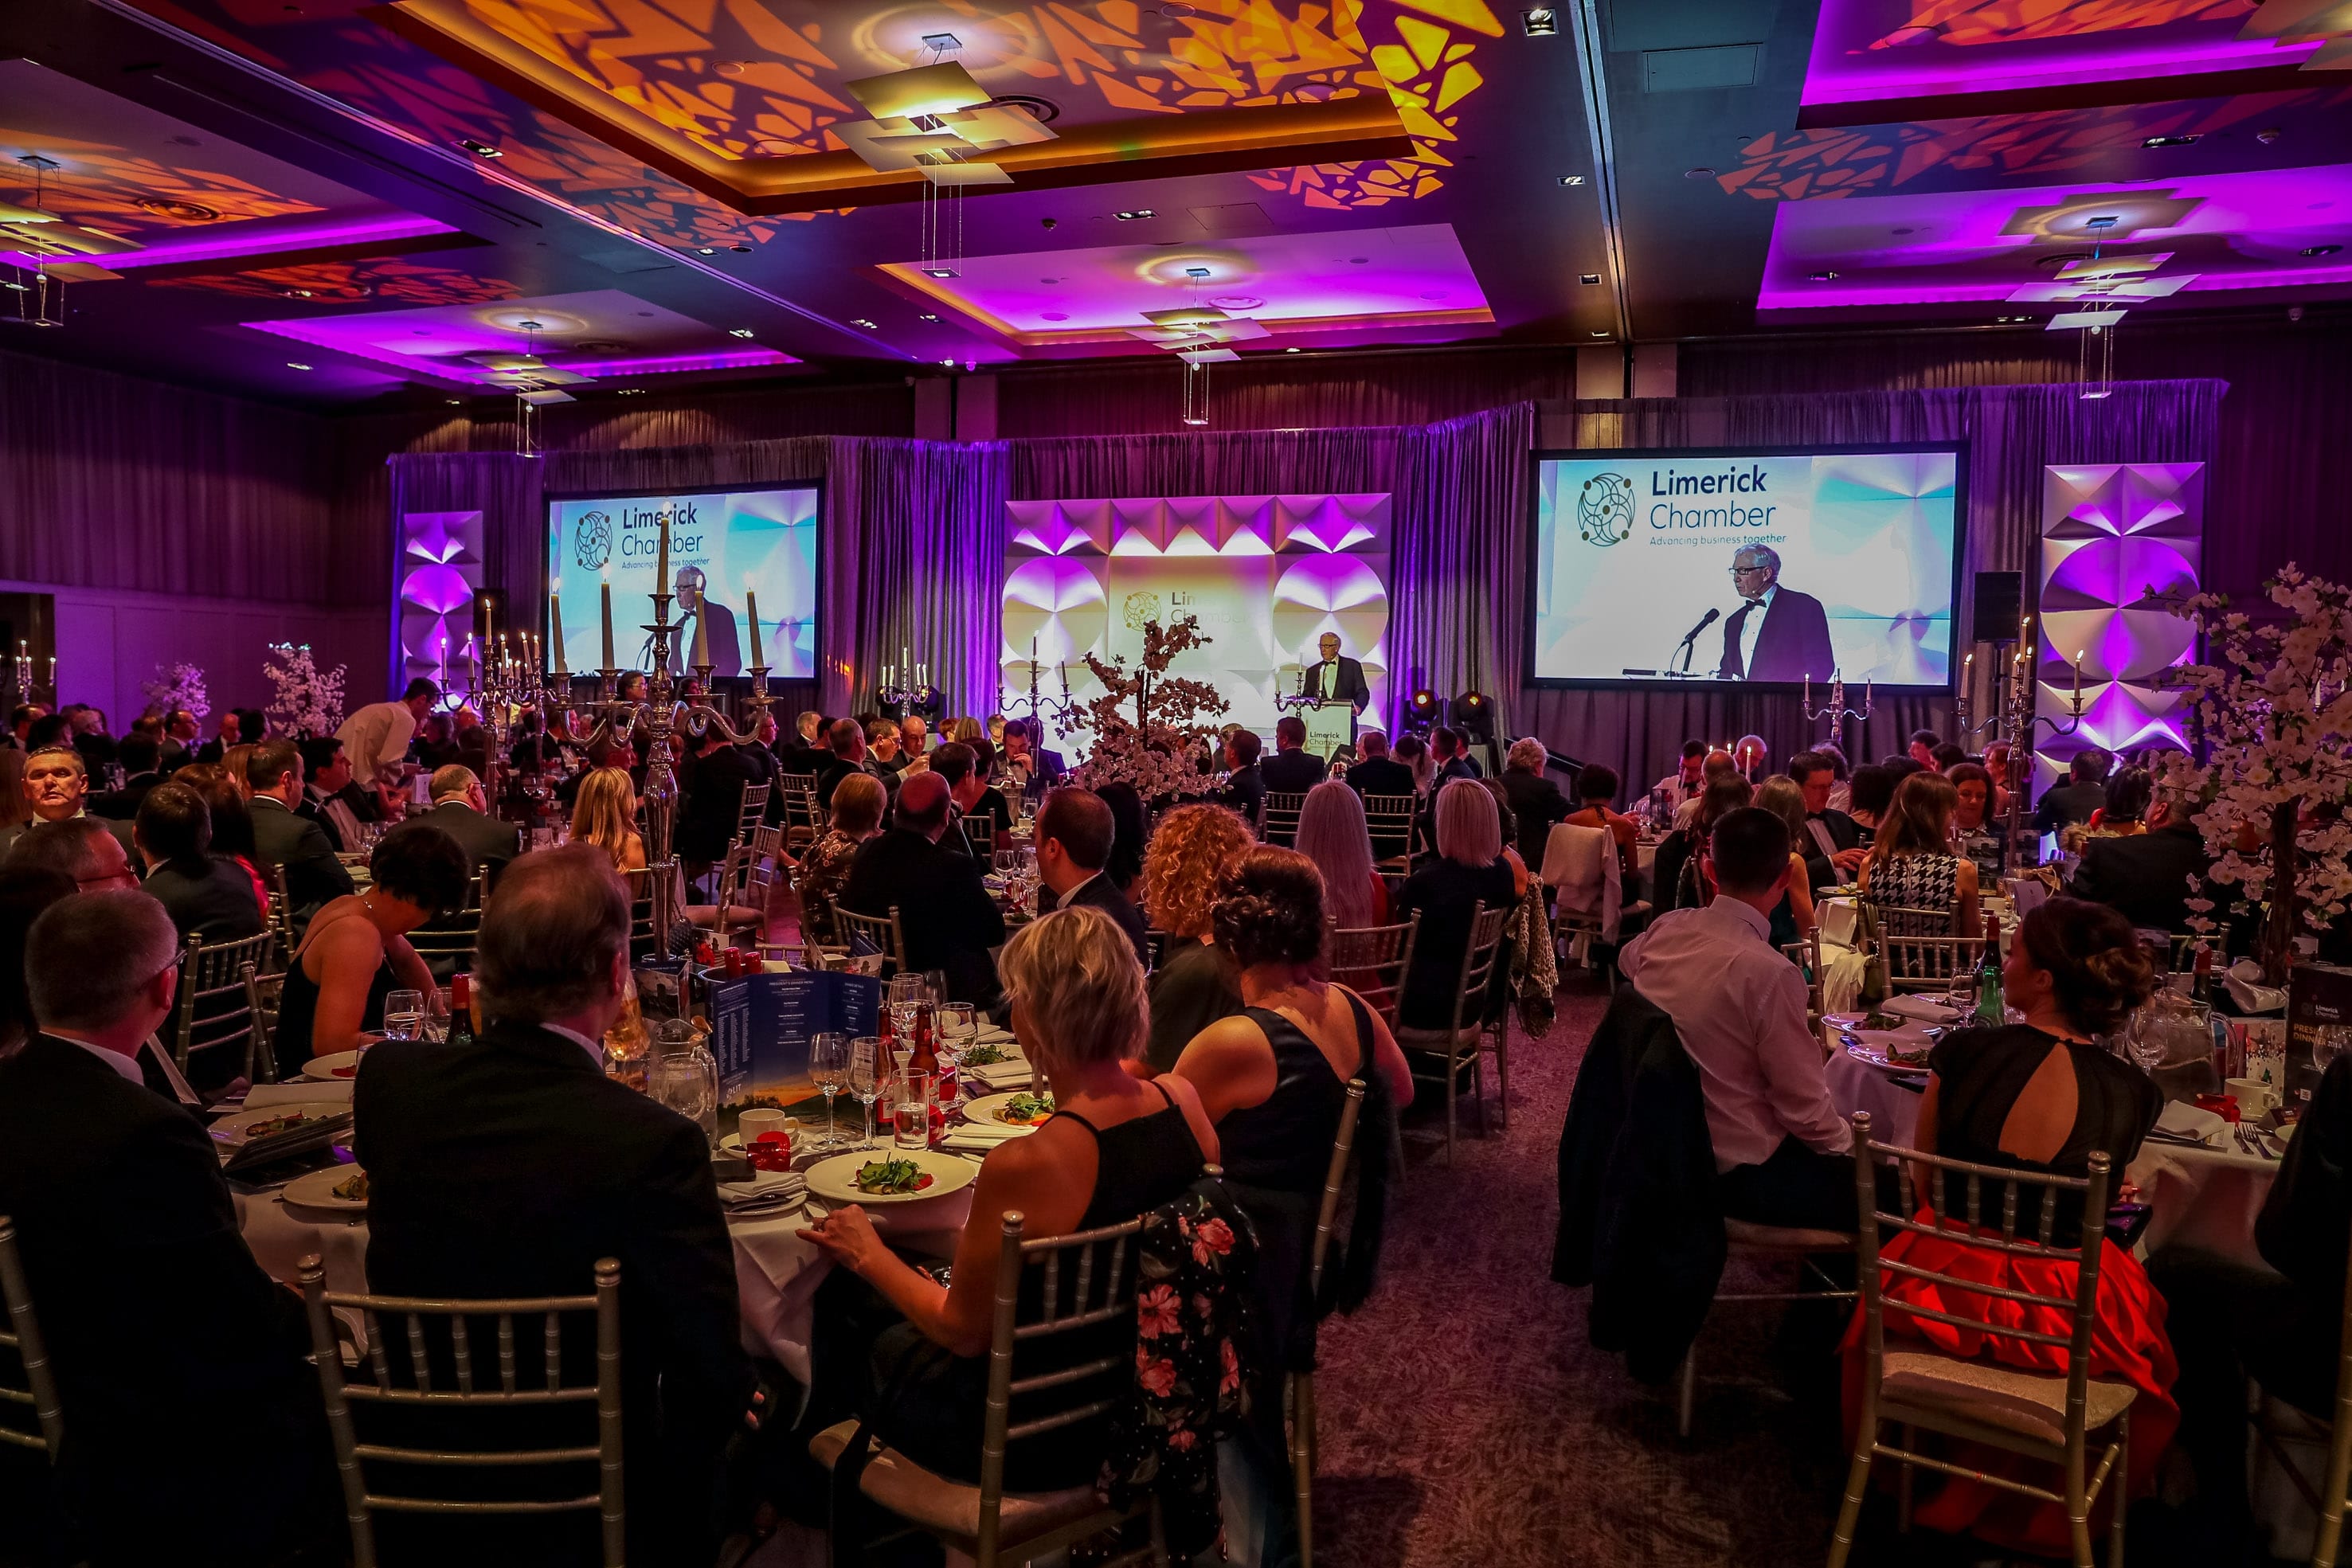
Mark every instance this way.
x=1465 y=1421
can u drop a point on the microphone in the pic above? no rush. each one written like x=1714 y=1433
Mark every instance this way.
x=1705 y=621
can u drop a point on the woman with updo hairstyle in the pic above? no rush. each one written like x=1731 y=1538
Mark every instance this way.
x=1273 y=1078
x=910 y=1354
x=1195 y=983
x=2041 y=1096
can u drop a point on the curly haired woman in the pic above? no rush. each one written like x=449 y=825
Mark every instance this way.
x=1195 y=984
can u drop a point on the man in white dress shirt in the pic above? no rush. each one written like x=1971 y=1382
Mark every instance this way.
x=1781 y=1148
x=376 y=737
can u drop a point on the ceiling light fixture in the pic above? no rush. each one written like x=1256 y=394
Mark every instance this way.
x=739 y=331
x=479 y=149
x=1572 y=179
x=632 y=392
x=1701 y=173
x=1131 y=216
x=1290 y=350
x=2171 y=140
x=1601 y=334
x=926 y=316
x=2319 y=250
x=949 y=363
x=1588 y=277
x=862 y=321
x=296 y=365
x=1822 y=276
x=1542 y=22
x=706 y=250
x=939 y=272
x=41 y=303
x=740 y=249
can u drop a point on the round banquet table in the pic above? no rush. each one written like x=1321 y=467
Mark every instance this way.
x=776 y=1272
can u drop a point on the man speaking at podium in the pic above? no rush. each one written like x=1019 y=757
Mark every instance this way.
x=1778 y=633
x=1335 y=679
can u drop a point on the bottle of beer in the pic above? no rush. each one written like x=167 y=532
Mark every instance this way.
x=1992 y=1011
x=461 y=1011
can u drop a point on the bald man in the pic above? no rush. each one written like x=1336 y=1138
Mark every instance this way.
x=946 y=917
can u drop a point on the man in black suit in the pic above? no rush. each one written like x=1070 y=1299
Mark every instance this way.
x=224 y=734
x=462 y=811
x=1334 y=679
x=179 y=1364
x=2149 y=877
x=1245 y=787
x=1451 y=752
x=714 y=803
x=1777 y=634
x=141 y=759
x=726 y=647
x=1378 y=773
x=805 y=751
x=1292 y=768
x=947 y=918
x=57 y=787
x=281 y=837
x=2085 y=790
x=972 y=796
x=849 y=756
x=205 y=895
x=331 y=796
x=509 y=1167
x=179 y=743
x=1832 y=845
x=1075 y=830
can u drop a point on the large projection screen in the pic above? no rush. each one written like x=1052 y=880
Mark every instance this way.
x=1266 y=575
x=744 y=543
x=1632 y=549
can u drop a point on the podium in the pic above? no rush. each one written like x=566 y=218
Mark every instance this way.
x=1330 y=725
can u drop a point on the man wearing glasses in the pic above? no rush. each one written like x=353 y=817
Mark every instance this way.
x=1777 y=634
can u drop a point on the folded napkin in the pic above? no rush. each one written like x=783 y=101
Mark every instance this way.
x=1924 y=1009
x=2184 y=1120
x=2244 y=984
x=990 y=1131
x=1014 y=1074
x=764 y=1188
x=261 y=1094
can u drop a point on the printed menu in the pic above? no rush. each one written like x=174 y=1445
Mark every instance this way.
x=761 y=1026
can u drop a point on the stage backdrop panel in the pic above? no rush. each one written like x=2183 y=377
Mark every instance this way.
x=1266 y=576
x=747 y=544
x=1634 y=549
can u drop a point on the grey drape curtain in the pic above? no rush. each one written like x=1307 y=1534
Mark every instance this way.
x=915 y=531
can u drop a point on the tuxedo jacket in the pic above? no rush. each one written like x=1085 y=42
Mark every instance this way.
x=1293 y=772
x=179 y=1363
x=1097 y=892
x=714 y=799
x=1246 y=792
x=487 y=840
x=210 y=897
x=946 y=916
x=507 y=1168
x=1380 y=775
x=726 y=646
x=122 y=805
x=2147 y=876
x=115 y=825
x=1794 y=642
x=314 y=875
x=1844 y=832
x=1350 y=688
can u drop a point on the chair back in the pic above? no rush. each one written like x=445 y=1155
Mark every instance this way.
x=768 y=844
x=1903 y=920
x=1372 y=961
x=1334 y=1178
x=441 y=1373
x=212 y=1013
x=1927 y=963
x=1100 y=1267
x=281 y=909
x=752 y=811
x=881 y=931
x=646 y=904
x=446 y=941
x=1389 y=820
x=745 y=884
x=262 y=995
x=1806 y=955
x=980 y=834
x=1278 y=821
x=804 y=819
x=22 y=1334
x=1579 y=865
x=1986 y=1219
x=1478 y=967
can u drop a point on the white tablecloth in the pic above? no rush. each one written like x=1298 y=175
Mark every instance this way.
x=776 y=1272
x=1856 y=1086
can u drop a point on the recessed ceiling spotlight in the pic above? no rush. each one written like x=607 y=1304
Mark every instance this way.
x=1588 y=277
x=296 y=365
x=1130 y=216
x=1054 y=315
x=298 y=294
x=2183 y=141
x=1599 y=334
x=2319 y=250
x=1572 y=179
x=733 y=67
x=1822 y=277
x=926 y=316
x=479 y=149
x=1542 y=22
x=454 y=402
x=631 y=391
x=939 y=272
x=706 y=250
x=1290 y=350
x=740 y=249
x=739 y=331
x=949 y=363
x=861 y=321
x=1701 y=173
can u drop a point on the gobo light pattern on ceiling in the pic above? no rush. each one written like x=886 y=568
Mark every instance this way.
x=2112 y=536
x=1268 y=575
x=349 y=282
x=1966 y=22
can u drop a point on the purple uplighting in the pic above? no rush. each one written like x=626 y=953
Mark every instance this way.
x=262 y=239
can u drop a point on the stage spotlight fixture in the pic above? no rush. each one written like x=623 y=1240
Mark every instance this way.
x=1473 y=712
x=1542 y=22
x=479 y=149
x=1422 y=708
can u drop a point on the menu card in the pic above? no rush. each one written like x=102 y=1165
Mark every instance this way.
x=761 y=1026
x=2318 y=1013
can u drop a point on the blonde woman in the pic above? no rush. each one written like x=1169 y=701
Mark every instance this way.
x=1195 y=983
x=1332 y=833
x=1472 y=870
x=604 y=813
x=893 y=1344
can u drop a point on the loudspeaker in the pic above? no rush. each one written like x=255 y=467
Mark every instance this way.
x=2000 y=603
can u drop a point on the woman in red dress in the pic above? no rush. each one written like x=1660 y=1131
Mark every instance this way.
x=2039 y=1096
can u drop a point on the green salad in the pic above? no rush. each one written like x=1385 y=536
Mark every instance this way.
x=891 y=1175
x=1026 y=1110
x=985 y=1056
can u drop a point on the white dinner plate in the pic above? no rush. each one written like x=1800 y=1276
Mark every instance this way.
x=984 y=1109
x=1875 y=1048
x=317 y=1190
x=835 y=1180
x=343 y=1064
x=233 y=1128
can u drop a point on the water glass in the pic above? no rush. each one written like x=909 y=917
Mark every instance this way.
x=404 y=1015
x=912 y=1110
x=865 y=1070
x=436 y=1015
x=958 y=1021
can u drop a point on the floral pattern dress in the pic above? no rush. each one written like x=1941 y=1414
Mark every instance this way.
x=822 y=873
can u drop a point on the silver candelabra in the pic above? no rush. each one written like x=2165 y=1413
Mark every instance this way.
x=1837 y=711
x=1037 y=707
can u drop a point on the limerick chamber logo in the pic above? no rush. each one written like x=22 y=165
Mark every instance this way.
x=1141 y=610
x=1604 y=509
x=592 y=540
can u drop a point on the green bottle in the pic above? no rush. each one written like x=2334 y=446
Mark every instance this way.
x=1991 y=1010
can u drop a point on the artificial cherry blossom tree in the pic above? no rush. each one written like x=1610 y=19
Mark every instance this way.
x=2274 y=706
x=1150 y=727
x=309 y=701
x=177 y=686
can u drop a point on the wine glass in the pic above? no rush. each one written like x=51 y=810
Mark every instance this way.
x=1006 y=862
x=865 y=1078
x=403 y=1014
x=829 y=1070
x=437 y=1004
x=2327 y=1041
